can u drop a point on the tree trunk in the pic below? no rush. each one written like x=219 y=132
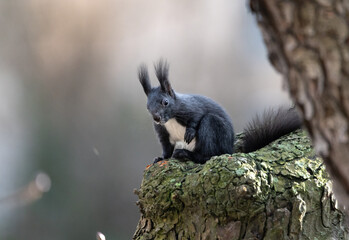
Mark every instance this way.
x=278 y=192
x=308 y=44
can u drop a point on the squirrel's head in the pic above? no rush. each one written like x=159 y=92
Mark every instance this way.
x=161 y=100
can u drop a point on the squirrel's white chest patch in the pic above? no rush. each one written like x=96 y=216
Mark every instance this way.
x=176 y=132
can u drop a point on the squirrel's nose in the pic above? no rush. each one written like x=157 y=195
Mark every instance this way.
x=156 y=118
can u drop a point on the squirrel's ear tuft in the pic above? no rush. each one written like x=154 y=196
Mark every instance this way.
x=161 y=71
x=143 y=77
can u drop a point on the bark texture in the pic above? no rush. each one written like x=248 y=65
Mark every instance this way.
x=279 y=192
x=308 y=44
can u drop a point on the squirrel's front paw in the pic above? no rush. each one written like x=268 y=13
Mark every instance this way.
x=189 y=135
x=158 y=159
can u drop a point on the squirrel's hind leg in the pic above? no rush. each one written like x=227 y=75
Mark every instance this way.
x=215 y=136
x=185 y=155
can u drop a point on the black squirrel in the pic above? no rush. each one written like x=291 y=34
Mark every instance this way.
x=194 y=127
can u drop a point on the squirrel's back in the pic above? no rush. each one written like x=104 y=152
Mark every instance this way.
x=198 y=104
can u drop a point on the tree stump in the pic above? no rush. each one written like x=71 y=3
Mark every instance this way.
x=278 y=192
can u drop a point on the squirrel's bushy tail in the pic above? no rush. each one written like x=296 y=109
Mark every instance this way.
x=271 y=125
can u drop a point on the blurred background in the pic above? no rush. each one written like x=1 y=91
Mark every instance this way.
x=75 y=134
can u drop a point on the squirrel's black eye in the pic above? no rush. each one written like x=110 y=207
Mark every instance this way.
x=165 y=102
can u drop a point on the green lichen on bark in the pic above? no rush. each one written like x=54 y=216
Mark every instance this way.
x=278 y=192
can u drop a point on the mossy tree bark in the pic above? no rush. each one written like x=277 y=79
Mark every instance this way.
x=308 y=44
x=278 y=192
